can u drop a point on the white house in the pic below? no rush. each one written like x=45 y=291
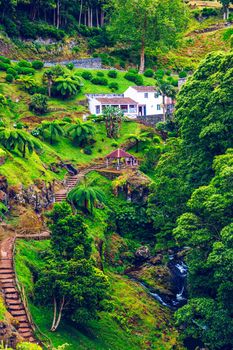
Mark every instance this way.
x=136 y=101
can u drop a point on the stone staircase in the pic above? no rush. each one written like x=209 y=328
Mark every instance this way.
x=10 y=290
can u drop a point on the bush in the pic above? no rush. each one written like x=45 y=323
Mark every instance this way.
x=87 y=75
x=39 y=104
x=130 y=76
x=100 y=74
x=139 y=80
x=159 y=73
x=168 y=72
x=9 y=78
x=70 y=66
x=182 y=74
x=149 y=73
x=37 y=64
x=25 y=70
x=113 y=86
x=87 y=150
x=5 y=60
x=12 y=71
x=112 y=74
x=4 y=66
x=24 y=63
x=133 y=70
x=208 y=12
x=99 y=81
x=174 y=82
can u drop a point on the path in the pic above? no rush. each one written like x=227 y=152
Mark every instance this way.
x=10 y=290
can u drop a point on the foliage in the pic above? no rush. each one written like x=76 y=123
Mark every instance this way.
x=112 y=73
x=68 y=85
x=86 y=195
x=70 y=278
x=87 y=75
x=39 y=104
x=99 y=81
x=9 y=78
x=81 y=132
x=113 y=86
x=149 y=73
x=37 y=64
x=27 y=82
x=113 y=117
x=51 y=131
x=28 y=346
x=182 y=74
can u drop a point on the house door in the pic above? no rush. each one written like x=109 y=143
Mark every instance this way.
x=142 y=110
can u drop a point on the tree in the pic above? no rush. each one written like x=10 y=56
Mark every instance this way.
x=70 y=281
x=225 y=6
x=27 y=82
x=51 y=131
x=207 y=228
x=165 y=89
x=143 y=24
x=80 y=132
x=86 y=195
x=18 y=140
x=68 y=85
x=50 y=75
x=39 y=104
x=113 y=117
x=140 y=136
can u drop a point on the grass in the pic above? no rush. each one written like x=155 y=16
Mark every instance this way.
x=136 y=322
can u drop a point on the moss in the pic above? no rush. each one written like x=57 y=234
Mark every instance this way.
x=3 y=309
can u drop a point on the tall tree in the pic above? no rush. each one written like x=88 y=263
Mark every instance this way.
x=112 y=117
x=166 y=90
x=51 y=131
x=225 y=5
x=80 y=132
x=145 y=24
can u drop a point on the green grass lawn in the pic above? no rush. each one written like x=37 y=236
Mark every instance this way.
x=136 y=321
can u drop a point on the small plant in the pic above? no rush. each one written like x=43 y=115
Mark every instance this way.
x=87 y=75
x=39 y=104
x=113 y=86
x=159 y=73
x=149 y=73
x=100 y=150
x=133 y=70
x=5 y=60
x=25 y=70
x=139 y=80
x=37 y=64
x=12 y=72
x=87 y=150
x=182 y=74
x=112 y=73
x=9 y=78
x=130 y=76
x=99 y=81
x=100 y=74
x=24 y=63
x=70 y=66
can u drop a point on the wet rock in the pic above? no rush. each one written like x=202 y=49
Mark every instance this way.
x=142 y=253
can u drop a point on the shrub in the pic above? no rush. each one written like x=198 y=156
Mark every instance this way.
x=87 y=75
x=174 y=82
x=87 y=150
x=130 y=76
x=100 y=74
x=168 y=72
x=159 y=73
x=149 y=73
x=139 y=80
x=24 y=63
x=70 y=66
x=25 y=70
x=208 y=12
x=39 y=104
x=113 y=86
x=9 y=78
x=4 y=66
x=182 y=74
x=12 y=71
x=37 y=64
x=5 y=60
x=133 y=70
x=112 y=74
x=99 y=81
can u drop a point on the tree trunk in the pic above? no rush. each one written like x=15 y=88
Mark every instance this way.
x=86 y=204
x=102 y=18
x=97 y=18
x=164 y=108
x=57 y=322
x=49 y=87
x=225 y=12
x=54 y=312
x=58 y=14
x=142 y=57
x=80 y=13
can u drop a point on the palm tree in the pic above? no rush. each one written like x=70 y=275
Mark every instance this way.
x=68 y=85
x=51 y=131
x=86 y=195
x=19 y=140
x=139 y=137
x=80 y=131
x=165 y=89
x=113 y=116
x=27 y=82
x=50 y=75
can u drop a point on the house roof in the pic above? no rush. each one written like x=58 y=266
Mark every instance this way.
x=116 y=101
x=144 y=88
x=119 y=153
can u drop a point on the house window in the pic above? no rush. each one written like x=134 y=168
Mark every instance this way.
x=97 y=109
x=158 y=108
x=146 y=95
x=124 y=108
x=132 y=109
x=156 y=95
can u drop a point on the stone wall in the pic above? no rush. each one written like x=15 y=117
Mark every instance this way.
x=150 y=120
x=94 y=63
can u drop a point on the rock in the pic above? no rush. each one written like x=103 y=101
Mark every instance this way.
x=156 y=260
x=142 y=253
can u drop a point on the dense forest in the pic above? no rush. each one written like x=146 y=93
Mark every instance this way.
x=116 y=231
